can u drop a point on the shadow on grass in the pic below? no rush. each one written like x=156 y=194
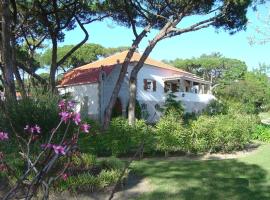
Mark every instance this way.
x=205 y=180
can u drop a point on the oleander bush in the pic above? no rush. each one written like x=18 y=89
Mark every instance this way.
x=224 y=133
x=120 y=139
x=170 y=134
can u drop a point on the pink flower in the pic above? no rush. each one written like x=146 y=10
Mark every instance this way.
x=26 y=128
x=62 y=104
x=37 y=128
x=3 y=136
x=65 y=116
x=48 y=146
x=70 y=105
x=77 y=118
x=64 y=177
x=85 y=127
x=58 y=149
x=32 y=129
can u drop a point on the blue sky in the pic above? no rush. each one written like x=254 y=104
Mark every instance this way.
x=188 y=45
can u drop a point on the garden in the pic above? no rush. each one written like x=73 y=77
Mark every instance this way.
x=80 y=157
x=50 y=149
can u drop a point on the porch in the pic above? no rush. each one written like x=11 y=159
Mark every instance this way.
x=186 y=84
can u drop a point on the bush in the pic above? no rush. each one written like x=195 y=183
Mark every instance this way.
x=41 y=109
x=262 y=133
x=119 y=139
x=222 y=132
x=38 y=109
x=170 y=133
x=216 y=107
x=109 y=172
x=172 y=104
x=112 y=163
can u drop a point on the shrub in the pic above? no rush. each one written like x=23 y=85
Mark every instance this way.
x=85 y=160
x=216 y=107
x=40 y=109
x=112 y=163
x=120 y=138
x=222 y=132
x=109 y=173
x=262 y=133
x=172 y=104
x=170 y=133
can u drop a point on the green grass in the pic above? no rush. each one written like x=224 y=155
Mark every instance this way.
x=247 y=178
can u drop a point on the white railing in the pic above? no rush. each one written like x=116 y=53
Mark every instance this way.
x=193 y=97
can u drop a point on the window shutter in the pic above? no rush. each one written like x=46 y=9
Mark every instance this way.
x=165 y=87
x=154 y=85
x=145 y=84
x=174 y=87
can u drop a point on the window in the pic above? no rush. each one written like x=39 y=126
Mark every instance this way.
x=144 y=106
x=157 y=107
x=171 y=87
x=150 y=85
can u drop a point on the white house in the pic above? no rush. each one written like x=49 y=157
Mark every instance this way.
x=91 y=85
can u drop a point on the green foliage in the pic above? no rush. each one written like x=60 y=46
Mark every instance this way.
x=85 y=160
x=139 y=114
x=38 y=109
x=216 y=107
x=171 y=136
x=213 y=67
x=253 y=92
x=110 y=170
x=262 y=133
x=172 y=104
x=222 y=132
x=87 y=53
x=119 y=139
x=112 y=163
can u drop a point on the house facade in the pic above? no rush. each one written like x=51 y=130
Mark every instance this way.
x=91 y=86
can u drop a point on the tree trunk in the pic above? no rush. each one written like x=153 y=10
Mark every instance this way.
x=133 y=80
x=53 y=64
x=6 y=51
x=108 y=111
x=16 y=70
x=132 y=99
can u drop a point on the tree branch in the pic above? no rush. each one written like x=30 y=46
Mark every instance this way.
x=29 y=71
x=63 y=59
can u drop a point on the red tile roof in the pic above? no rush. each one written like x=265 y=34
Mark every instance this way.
x=89 y=73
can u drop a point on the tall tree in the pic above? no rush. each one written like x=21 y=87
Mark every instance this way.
x=214 y=67
x=165 y=16
x=229 y=15
x=85 y=54
x=7 y=65
x=51 y=18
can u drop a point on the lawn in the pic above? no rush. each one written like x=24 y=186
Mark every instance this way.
x=246 y=178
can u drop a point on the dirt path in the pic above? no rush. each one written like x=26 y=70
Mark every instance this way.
x=251 y=149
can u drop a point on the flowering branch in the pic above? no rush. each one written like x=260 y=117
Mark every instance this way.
x=42 y=163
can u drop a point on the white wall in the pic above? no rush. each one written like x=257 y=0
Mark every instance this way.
x=191 y=102
x=107 y=86
x=79 y=92
x=157 y=74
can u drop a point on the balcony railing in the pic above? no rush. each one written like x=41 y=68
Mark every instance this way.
x=188 y=96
